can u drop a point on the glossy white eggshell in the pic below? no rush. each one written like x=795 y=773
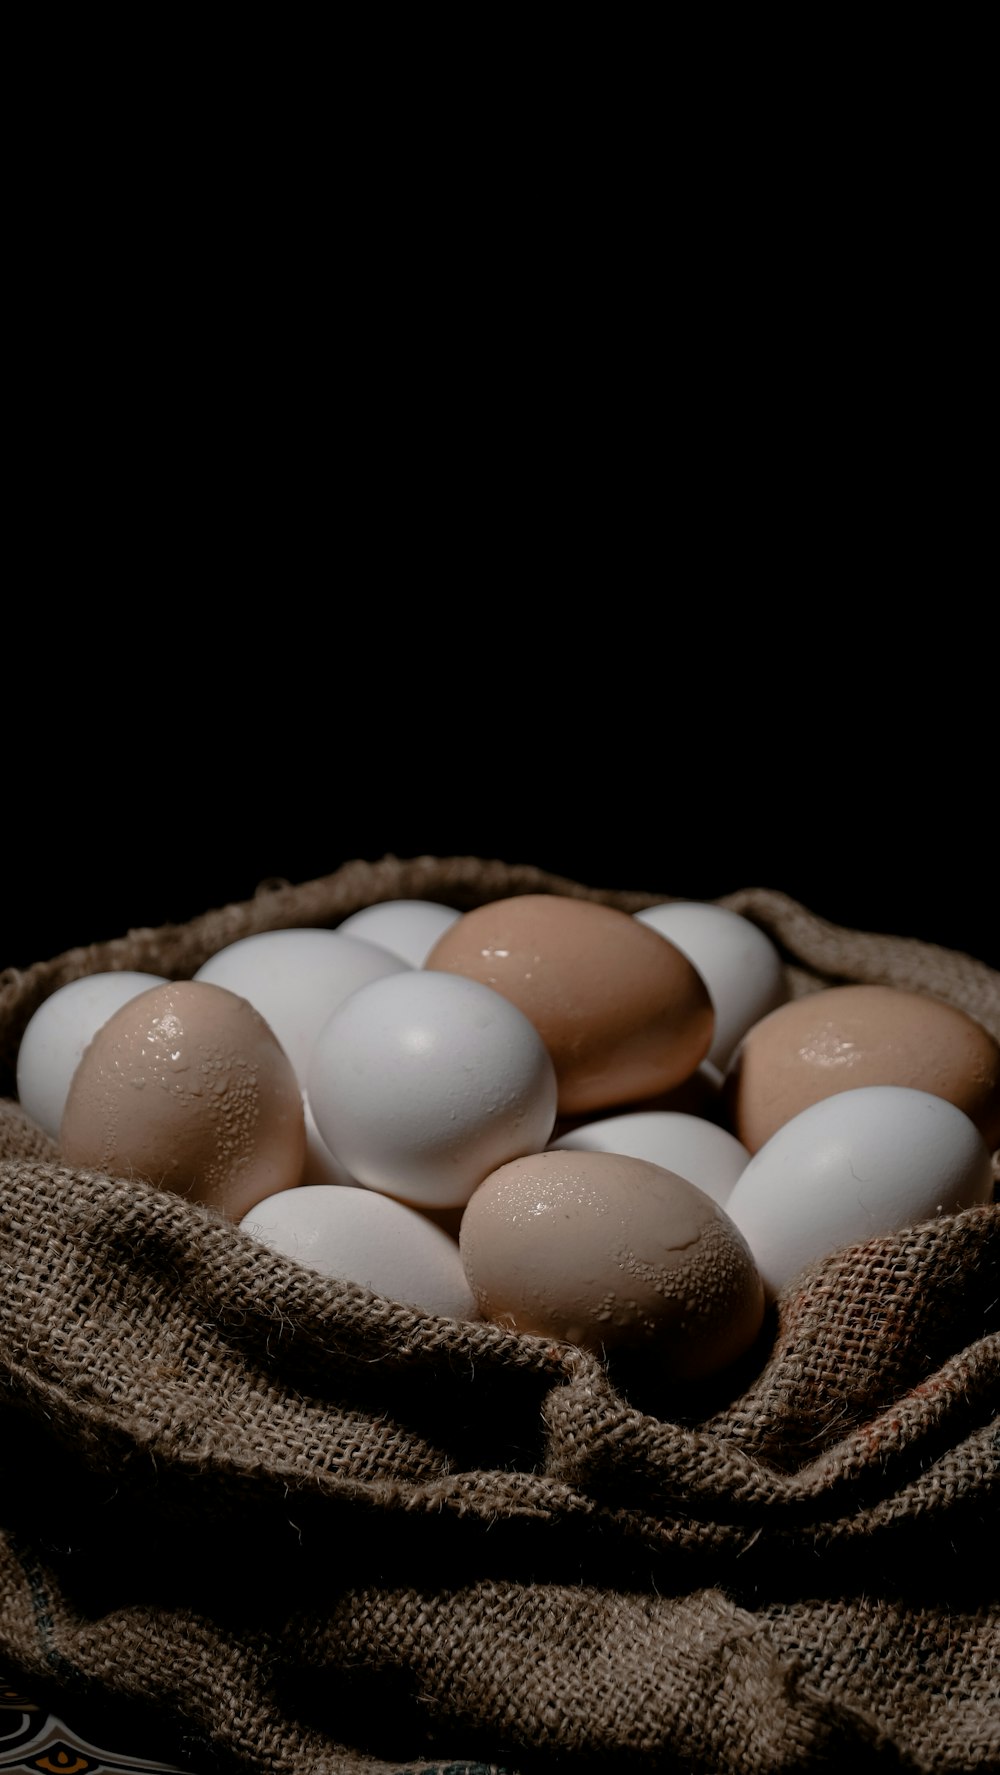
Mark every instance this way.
x=321 y=1165
x=356 y=1235
x=738 y=962
x=700 y=1151
x=864 y=1162
x=57 y=1034
x=407 y=928
x=423 y=1083
x=296 y=979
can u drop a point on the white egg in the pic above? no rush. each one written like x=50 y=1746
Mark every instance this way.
x=423 y=1083
x=296 y=979
x=864 y=1162
x=738 y=962
x=53 y=1042
x=700 y=1151
x=355 y=1235
x=321 y=1165
x=408 y=928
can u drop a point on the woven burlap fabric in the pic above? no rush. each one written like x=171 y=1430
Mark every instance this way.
x=328 y=1533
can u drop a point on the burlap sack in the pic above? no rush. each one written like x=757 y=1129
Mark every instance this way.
x=327 y=1533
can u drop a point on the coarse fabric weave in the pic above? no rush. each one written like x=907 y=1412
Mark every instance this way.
x=329 y=1533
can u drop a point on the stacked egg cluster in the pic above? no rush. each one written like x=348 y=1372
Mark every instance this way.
x=617 y=1131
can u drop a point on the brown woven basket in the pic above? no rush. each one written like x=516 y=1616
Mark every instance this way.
x=324 y=1532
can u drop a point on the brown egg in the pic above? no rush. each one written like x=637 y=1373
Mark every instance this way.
x=622 y=1012
x=614 y=1254
x=188 y=1087
x=846 y=1036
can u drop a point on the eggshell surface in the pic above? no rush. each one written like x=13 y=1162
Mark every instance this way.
x=738 y=962
x=321 y=1165
x=407 y=928
x=356 y=1235
x=622 y=1012
x=610 y=1252
x=849 y=1036
x=55 y=1037
x=297 y=978
x=188 y=1087
x=705 y=1154
x=863 y=1162
x=422 y=1083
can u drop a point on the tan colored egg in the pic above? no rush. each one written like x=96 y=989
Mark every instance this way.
x=850 y=1036
x=622 y=1012
x=187 y=1087
x=615 y=1254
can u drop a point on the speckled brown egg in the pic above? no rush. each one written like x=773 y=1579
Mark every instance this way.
x=850 y=1036
x=622 y=1012
x=189 y=1088
x=614 y=1254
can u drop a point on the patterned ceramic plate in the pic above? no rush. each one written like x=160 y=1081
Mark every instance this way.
x=36 y=1742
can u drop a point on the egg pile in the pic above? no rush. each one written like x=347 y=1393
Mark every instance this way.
x=617 y=1131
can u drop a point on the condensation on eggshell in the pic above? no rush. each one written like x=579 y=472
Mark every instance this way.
x=622 y=1012
x=845 y=1037
x=55 y=1037
x=187 y=1087
x=614 y=1254
x=707 y=1155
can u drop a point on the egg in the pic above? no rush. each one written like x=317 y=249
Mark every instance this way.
x=297 y=978
x=738 y=962
x=699 y=1095
x=356 y=1235
x=622 y=1012
x=321 y=1165
x=702 y=1152
x=407 y=928
x=871 y=1160
x=612 y=1253
x=847 y=1036
x=422 y=1083
x=57 y=1033
x=187 y=1087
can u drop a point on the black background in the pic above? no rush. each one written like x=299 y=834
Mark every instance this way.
x=473 y=607
x=639 y=763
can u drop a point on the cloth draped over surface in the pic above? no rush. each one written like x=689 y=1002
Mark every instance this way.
x=327 y=1532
